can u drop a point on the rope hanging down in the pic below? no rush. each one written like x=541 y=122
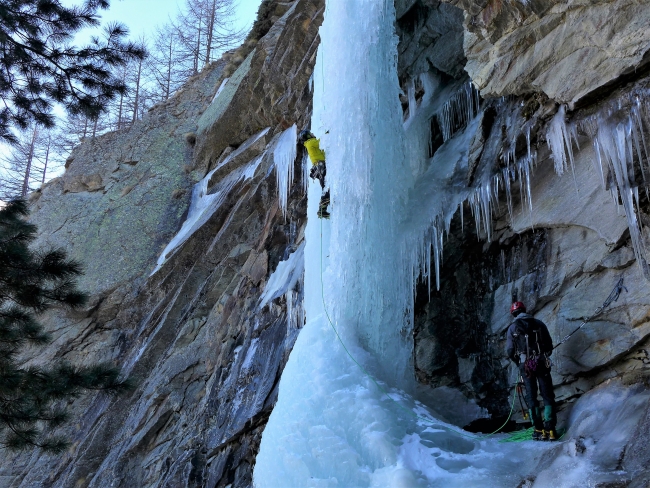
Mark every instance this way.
x=376 y=382
x=613 y=297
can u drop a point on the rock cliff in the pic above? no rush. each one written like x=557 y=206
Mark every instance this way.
x=205 y=351
x=563 y=246
x=205 y=324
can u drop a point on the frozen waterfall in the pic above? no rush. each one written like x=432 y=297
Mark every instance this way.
x=333 y=425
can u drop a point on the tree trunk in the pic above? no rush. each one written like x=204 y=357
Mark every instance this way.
x=209 y=31
x=47 y=157
x=119 y=113
x=198 y=44
x=137 y=94
x=28 y=168
x=169 y=70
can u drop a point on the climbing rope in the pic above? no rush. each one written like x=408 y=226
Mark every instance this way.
x=527 y=435
x=376 y=382
x=613 y=297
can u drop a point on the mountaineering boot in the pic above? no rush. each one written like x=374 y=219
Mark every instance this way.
x=537 y=435
x=549 y=423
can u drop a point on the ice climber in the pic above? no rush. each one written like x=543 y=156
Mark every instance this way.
x=529 y=345
x=318 y=169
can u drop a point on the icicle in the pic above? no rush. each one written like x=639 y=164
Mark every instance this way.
x=306 y=166
x=462 y=223
x=558 y=138
x=411 y=98
x=458 y=111
x=284 y=156
x=615 y=140
x=599 y=162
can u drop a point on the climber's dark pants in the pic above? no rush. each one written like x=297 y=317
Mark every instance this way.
x=318 y=171
x=542 y=377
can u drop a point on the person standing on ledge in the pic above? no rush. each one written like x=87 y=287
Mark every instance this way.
x=529 y=346
x=318 y=168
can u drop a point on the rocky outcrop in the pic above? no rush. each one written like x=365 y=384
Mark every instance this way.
x=269 y=89
x=563 y=254
x=205 y=350
x=566 y=49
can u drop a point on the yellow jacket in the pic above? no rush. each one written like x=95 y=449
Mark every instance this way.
x=314 y=150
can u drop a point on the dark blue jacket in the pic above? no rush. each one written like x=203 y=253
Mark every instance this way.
x=528 y=323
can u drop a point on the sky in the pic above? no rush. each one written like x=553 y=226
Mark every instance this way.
x=143 y=16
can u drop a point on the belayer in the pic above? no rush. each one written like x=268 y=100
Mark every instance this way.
x=529 y=346
x=318 y=169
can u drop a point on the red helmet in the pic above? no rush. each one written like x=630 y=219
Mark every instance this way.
x=517 y=307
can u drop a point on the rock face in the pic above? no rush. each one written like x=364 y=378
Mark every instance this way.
x=207 y=336
x=206 y=353
x=562 y=255
x=566 y=49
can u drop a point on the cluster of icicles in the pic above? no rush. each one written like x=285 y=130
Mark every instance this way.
x=618 y=132
x=619 y=139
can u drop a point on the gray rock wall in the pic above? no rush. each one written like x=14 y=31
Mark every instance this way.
x=205 y=355
x=562 y=258
x=208 y=358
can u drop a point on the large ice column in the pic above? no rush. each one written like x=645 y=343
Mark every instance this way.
x=367 y=289
x=326 y=402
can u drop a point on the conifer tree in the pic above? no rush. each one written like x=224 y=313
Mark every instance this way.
x=39 y=67
x=33 y=398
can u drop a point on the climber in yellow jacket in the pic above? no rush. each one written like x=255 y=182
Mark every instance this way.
x=318 y=169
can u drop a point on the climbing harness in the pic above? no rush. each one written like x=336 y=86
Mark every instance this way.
x=376 y=382
x=531 y=359
x=613 y=297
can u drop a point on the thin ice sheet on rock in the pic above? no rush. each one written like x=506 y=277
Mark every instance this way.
x=204 y=203
x=220 y=89
x=237 y=153
x=285 y=276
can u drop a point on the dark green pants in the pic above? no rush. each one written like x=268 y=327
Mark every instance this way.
x=542 y=378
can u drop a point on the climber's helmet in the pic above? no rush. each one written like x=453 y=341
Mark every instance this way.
x=304 y=136
x=517 y=307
